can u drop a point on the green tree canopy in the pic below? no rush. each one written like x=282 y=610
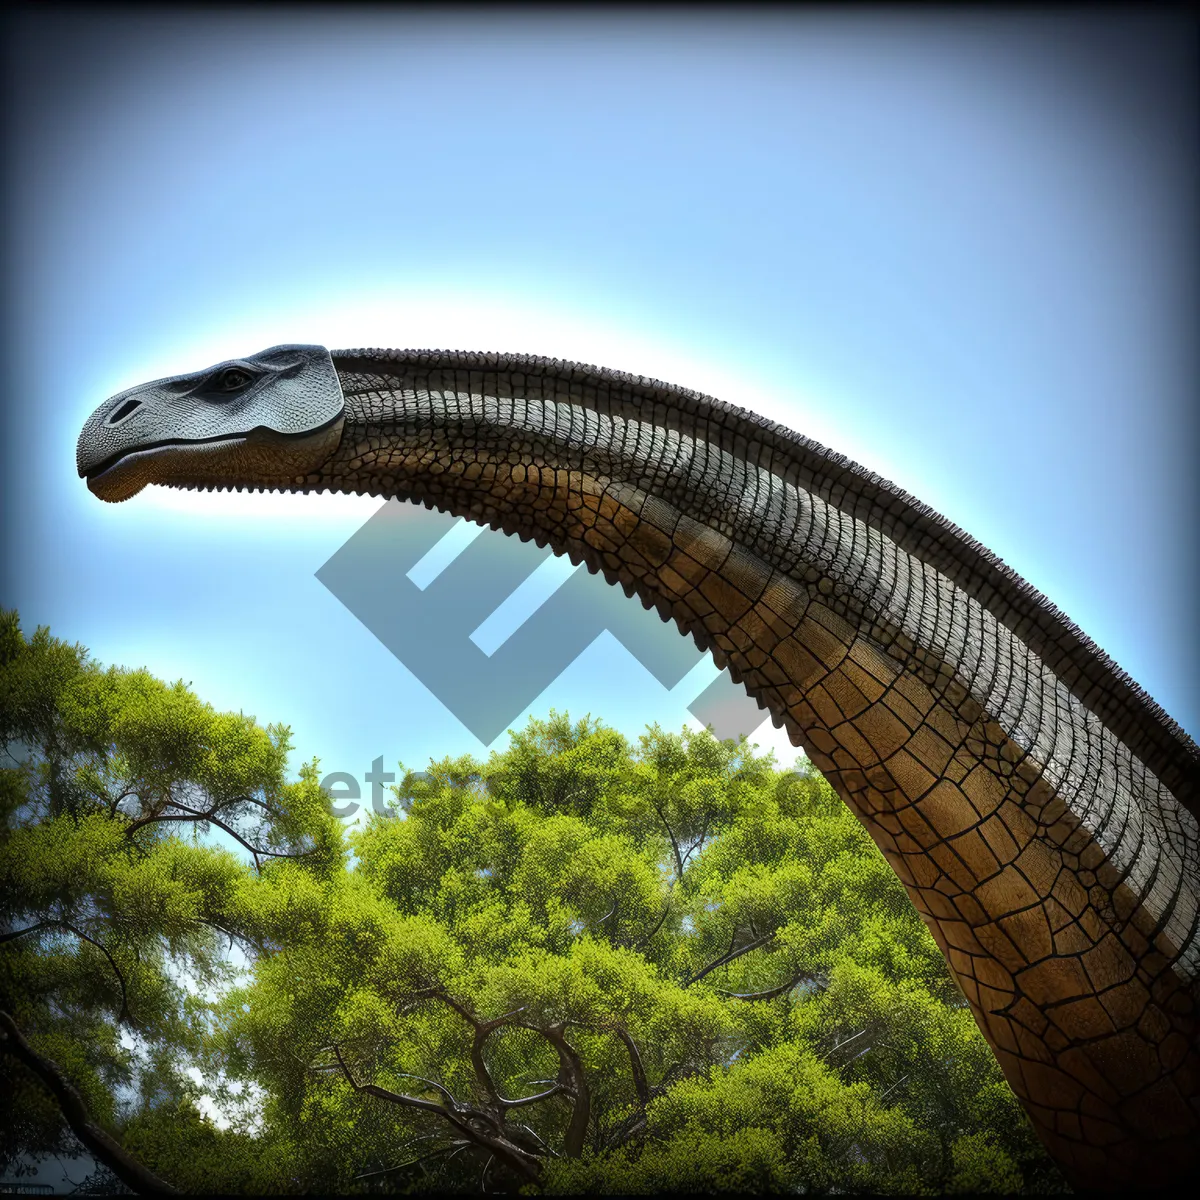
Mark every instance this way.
x=580 y=966
x=117 y=914
x=588 y=966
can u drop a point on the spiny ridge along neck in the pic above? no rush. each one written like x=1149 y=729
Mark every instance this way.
x=1094 y=677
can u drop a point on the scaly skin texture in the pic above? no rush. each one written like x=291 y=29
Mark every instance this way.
x=1038 y=807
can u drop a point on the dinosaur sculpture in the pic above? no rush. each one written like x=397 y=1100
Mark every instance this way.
x=1039 y=808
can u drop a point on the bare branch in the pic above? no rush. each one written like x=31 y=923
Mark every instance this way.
x=273 y=812
x=597 y=923
x=646 y=937
x=208 y=816
x=8 y=937
x=412 y=1162
x=457 y=1115
x=97 y=1141
x=573 y=1140
x=482 y=1075
x=674 y=843
x=124 y=1014
x=505 y=1016
x=558 y=1087
x=847 y=1042
x=460 y=1008
x=220 y=929
x=856 y=1057
x=635 y=1062
x=533 y=1134
x=372 y=1089
x=437 y=1087
x=771 y=993
x=114 y=801
x=699 y=843
x=730 y=956
x=483 y=1029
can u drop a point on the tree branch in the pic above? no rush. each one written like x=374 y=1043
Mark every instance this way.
x=646 y=937
x=115 y=801
x=102 y=1145
x=671 y=834
x=771 y=993
x=596 y=924
x=730 y=956
x=558 y=1087
x=372 y=1089
x=545 y=1149
x=123 y=1015
x=8 y=937
x=635 y=1062
x=573 y=1140
x=698 y=845
x=847 y=1042
x=483 y=1030
x=272 y=812
x=437 y=1087
x=457 y=1115
x=504 y=1016
x=412 y=1162
x=482 y=1075
x=194 y=816
x=462 y=1010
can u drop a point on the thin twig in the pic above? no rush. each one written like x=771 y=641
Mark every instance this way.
x=208 y=816
x=770 y=993
x=51 y=923
x=729 y=957
x=895 y=1085
x=412 y=1162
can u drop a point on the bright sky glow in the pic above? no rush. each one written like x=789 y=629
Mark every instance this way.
x=953 y=247
x=956 y=245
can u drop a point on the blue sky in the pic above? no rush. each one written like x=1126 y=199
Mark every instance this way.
x=956 y=246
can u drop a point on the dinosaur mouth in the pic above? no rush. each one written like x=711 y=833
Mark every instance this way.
x=124 y=475
x=261 y=457
x=259 y=432
x=114 y=460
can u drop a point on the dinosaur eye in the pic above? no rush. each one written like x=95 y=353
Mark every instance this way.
x=232 y=379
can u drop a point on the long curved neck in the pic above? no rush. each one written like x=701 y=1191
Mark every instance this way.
x=1038 y=807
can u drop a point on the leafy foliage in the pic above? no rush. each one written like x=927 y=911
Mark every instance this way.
x=580 y=966
x=116 y=912
x=584 y=966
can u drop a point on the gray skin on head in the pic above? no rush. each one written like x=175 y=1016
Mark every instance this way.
x=260 y=421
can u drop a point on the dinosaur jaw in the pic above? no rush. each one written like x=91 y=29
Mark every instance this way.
x=261 y=458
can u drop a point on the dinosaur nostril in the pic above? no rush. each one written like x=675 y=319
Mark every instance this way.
x=124 y=411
